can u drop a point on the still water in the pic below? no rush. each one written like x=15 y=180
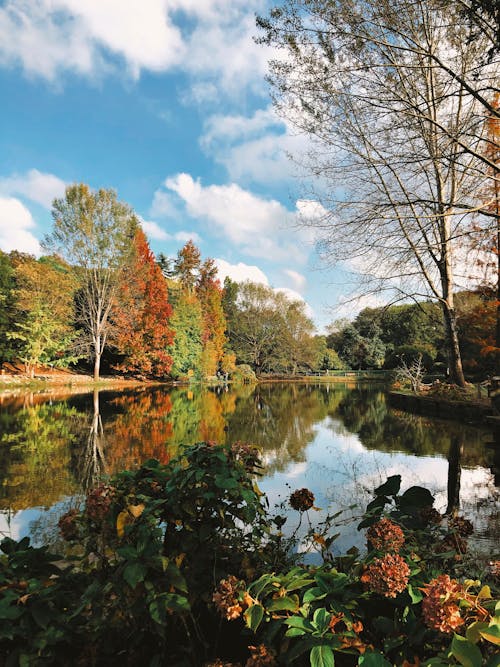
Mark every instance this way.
x=339 y=441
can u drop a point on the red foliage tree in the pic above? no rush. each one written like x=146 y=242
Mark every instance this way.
x=141 y=314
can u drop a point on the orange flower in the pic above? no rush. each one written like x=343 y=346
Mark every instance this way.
x=261 y=656
x=440 y=606
x=226 y=597
x=385 y=536
x=386 y=576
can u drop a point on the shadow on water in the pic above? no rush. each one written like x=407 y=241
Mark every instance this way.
x=54 y=448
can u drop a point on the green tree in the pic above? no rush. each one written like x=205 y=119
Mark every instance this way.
x=93 y=233
x=7 y=305
x=187 y=325
x=258 y=328
x=44 y=312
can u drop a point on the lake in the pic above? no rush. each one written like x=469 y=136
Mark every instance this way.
x=339 y=440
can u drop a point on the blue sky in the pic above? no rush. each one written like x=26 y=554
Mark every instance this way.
x=166 y=102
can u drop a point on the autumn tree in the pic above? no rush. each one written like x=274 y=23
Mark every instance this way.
x=93 y=232
x=210 y=295
x=390 y=93
x=141 y=313
x=7 y=300
x=187 y=265
x=44 y=312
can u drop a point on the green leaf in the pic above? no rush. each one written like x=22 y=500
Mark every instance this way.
x=315 y=593
x=322 y=656
x=134 y=573
x=494 y=661
x=253 y=616
x=321 y=619
x=492 y=633
x=390 y=487
x=416 y=497
x=300 y=623
x=175 y=602
x=298 y=583
x=415 y=594
x=331 y=581
x=294 y=632
x=372 y=659
x=260 y=585
x=465 y=652
x=473 y=632
x=41 y=613
x=289 y=603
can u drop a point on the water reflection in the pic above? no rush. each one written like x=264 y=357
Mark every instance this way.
x=338 y=440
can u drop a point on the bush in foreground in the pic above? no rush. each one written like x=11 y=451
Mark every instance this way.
x=181 y=564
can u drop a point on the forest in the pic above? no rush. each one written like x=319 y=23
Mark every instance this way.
x=101 y=297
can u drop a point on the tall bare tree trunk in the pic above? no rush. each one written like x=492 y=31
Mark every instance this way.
x=456 y=373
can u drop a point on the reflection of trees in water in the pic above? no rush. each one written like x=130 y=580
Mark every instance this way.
x=281 y=419
x=365 y=412
x=35 y=453
x=90 y=458
x=47 y=448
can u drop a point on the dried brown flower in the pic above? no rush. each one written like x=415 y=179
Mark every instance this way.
x=386 y=576
x=462 y=526
x=99 y=501
x=452 y=542
x=261 y=656
x=68 y=525
x=385 y=536
x=440 y=608
x=227 y=597
x=302 y=500
x=430 y=515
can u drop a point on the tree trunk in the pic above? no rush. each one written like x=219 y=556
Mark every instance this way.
x=456 y=374
x=97 y=366
x=454 y=474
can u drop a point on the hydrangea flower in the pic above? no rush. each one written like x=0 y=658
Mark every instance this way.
x=386 y=576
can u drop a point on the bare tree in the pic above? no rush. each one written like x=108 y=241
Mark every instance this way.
x=93 y=232
x=394 y=98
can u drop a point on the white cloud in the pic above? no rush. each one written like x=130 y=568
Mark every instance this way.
x=154 y=231
x=163 y=205
x=47 y=37
x=240 y=272
x=259 y=227
x=214 y=45
x=298 y=280
x=15 y=223
x=184 y=237
x=253 y=148
x=35 y=185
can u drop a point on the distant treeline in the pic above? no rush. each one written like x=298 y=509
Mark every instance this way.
x=100 y=298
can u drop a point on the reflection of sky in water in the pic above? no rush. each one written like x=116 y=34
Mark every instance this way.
x=342 y=473
x=17 y=524
x=303 y=447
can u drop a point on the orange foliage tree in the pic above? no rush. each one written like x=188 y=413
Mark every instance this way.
x=210 y=295
x=141 y=314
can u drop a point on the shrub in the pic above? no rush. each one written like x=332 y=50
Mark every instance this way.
x=178 y=564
